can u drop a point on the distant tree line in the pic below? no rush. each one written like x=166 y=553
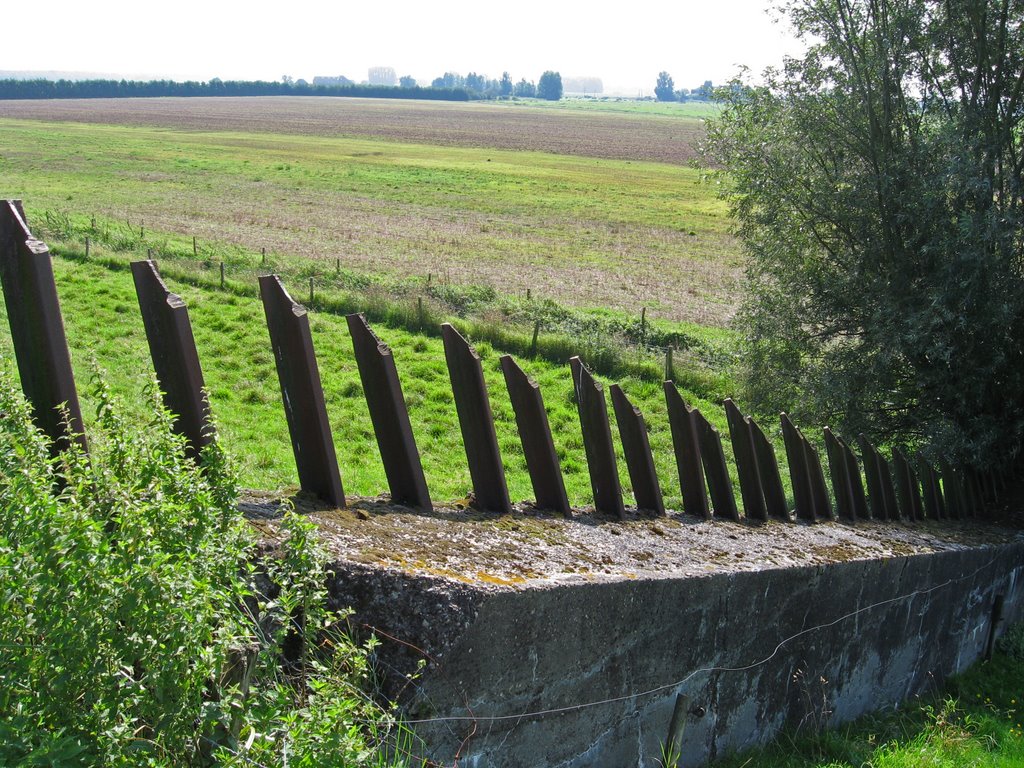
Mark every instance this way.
x=383 y=83
x=664 y=90
x=113 y=89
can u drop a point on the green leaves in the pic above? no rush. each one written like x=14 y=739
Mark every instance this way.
x=876 y=183
x=128 y=634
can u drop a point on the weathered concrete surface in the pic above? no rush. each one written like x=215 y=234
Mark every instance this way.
x=530 y=614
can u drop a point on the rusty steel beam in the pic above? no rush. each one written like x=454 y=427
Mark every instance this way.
x=799 y=469
x=636 y=448
x=389 y=415
x=860 y=499
x=743 y=450
x=476 y=422
x=535 y=433
x=873 y=475
x=686 y=445
x=723 y=500
x=302 y=392
x=819 y=491
x=175 y=359
x=951 y=491
x=37 y=330
x=933 y=509
x=597 y=440
x=768 y=471
x=892 y=509
x=908 y=491
x=839 y=469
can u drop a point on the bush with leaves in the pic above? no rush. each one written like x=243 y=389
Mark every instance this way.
x=130 y=629
x=877 y=182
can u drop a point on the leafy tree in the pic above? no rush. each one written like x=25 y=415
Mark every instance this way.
x=505 y=86
x=549 y=86
x=704 y=92
x=877 y=182
x=475 y=82
x=407 y=81
x=665 y=89
x=525 y=89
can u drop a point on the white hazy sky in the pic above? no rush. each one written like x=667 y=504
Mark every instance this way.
x=626 y=44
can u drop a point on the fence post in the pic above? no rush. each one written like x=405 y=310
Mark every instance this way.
x=636 y=448
x=389 y=415
x=175 y=359
x=476 y=422
x=535 y=434
x=768 y=472
x=907 y=490
x=302 y=392
x=951 y=490
x=933 y=509
x=860 y=502
x=597 y=440
x=723 y=500
x=819 y=491
x=746 y=463
x=686 y=442
x=892 y=509
x=873 y=474
x=839 y=469
x=799 y=471
x=37 y=329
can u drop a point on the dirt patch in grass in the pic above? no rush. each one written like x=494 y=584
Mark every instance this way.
x=564 y=132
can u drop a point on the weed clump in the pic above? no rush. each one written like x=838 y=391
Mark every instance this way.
x=132 y=626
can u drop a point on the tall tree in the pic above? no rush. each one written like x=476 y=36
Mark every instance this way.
x=665 y=89
x=505 y=86
x=877 y=183
x=550 y=86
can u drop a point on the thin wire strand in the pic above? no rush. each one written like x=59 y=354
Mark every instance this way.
x=694 y=673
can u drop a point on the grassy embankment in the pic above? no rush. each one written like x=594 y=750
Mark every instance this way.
x=380 y=226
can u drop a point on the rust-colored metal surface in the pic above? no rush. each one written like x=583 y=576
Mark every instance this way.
x=302 y=392
x=908 y=490
x=636 y=448
x=175 y=359
x=686 y=444
x=476 y=421
x=723 y=500
x=839 y=469
x=535 y=433
x=799 y=469
x=597 y=440
x=37 y=329
x=768 y=471
x=389 y=415
x=746 y=463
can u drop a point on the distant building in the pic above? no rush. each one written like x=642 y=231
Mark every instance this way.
x=583 y=86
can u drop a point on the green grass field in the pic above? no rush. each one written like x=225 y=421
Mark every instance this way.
x=693 y=110
x=589 y=232
x=105 y=334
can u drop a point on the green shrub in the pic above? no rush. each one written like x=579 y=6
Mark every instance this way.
x=130 y=629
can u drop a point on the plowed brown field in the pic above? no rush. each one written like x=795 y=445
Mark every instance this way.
x=565 y=132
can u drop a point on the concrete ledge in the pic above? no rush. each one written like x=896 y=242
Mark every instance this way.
x=609 y=651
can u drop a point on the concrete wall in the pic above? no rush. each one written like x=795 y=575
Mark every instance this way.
x=510 y=652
